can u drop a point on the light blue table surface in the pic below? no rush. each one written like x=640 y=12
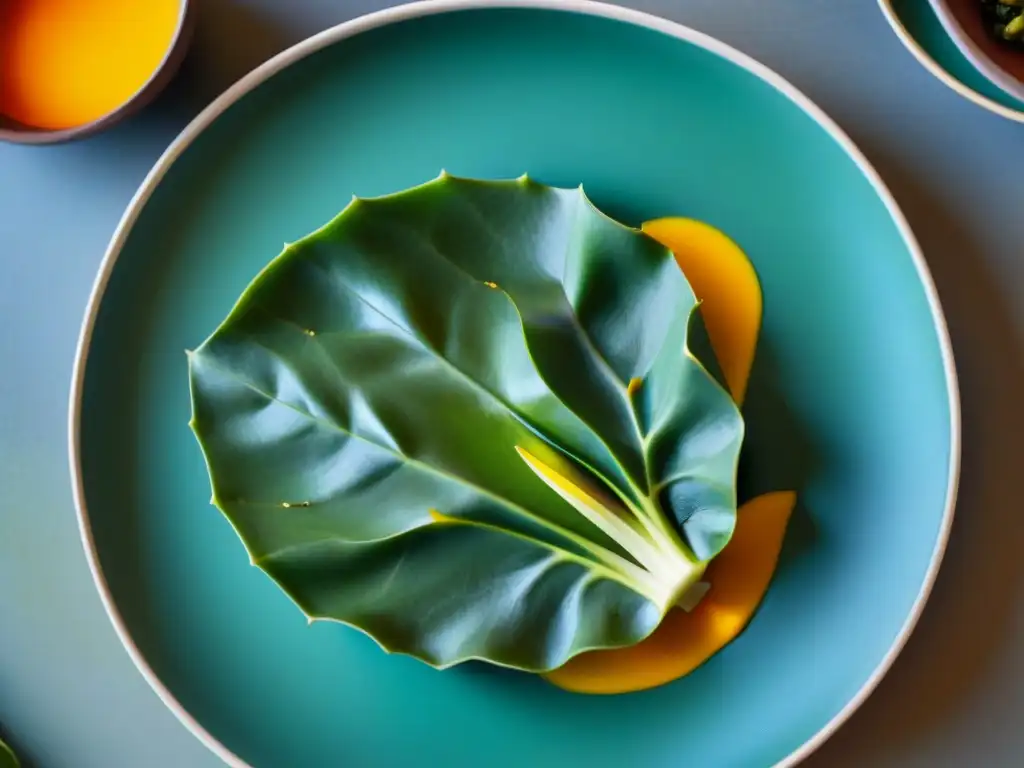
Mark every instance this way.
x=69 y=695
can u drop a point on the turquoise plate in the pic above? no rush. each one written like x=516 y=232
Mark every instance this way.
x=853 y=402
x=921 y=31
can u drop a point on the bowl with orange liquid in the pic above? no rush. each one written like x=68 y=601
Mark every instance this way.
x=71 y=68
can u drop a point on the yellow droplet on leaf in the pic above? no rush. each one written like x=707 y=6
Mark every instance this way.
x=439 y=517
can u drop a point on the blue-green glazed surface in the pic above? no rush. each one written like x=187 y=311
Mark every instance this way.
x=919 y=19
x=849 y=402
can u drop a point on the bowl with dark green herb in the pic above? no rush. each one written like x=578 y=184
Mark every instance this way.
x=990 y=35
x=920 y=30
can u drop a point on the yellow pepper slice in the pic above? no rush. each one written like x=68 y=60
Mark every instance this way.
x=724 y=280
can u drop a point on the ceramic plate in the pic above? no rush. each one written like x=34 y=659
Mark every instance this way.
x=920 y=30
x=853 y=402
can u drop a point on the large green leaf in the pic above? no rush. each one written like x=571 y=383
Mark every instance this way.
x=464 y=419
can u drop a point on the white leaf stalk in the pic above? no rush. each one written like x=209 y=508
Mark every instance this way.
x=669 y=573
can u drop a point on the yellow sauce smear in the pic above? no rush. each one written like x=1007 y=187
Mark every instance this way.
x=739 y=578
x=723 y=278
x=65 y=63
x=725 y=281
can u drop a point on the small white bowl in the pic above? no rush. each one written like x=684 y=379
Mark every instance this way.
x=968 y=40
x=940 y=72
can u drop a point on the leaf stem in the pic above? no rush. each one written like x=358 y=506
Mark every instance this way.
x=668 y=561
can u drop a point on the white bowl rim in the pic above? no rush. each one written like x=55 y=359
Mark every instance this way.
x=940 y=73
x=975 y=54
x=423 y=8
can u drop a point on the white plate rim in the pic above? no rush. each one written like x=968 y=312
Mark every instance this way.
x=937 y=71
x=422 y=8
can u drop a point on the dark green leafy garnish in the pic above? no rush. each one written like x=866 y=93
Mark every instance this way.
x=7 y=757
x=1005 y=20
